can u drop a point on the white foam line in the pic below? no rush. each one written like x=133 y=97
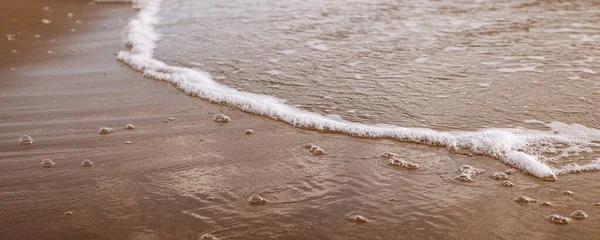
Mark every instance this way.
x=517 y=147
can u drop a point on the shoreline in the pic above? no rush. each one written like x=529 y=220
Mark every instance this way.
x=182 y=178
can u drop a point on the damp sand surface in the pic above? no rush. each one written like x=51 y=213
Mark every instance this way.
x=192 y=176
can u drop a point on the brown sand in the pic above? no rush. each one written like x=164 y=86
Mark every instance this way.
x=191 y=176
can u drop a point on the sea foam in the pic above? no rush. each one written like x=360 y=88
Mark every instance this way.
x=520 y=148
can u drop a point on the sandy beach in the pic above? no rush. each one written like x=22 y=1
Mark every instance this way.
x=189 y=175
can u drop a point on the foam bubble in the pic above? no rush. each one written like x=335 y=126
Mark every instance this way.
x=25 y=140
x=547 y=204
x=507 y=183
x=68 y=213
x=105 y=130
x=256 y=200
x=128 y=142
x=524 y=199
x=87 y=163
x=47 y=163
x=171 y=119
x=70 y=15
x=314 y=149
x=207 y=236
x=129 y=126
x=468 y=172
x=499 y=176
x=558 y=219
x=399 y=162
x=359 y=219
x=13 y=69
x=249 y=131
x=221 y=118
x=579 y=214
x=520 y=148
x=11 y=37
x=46 y=21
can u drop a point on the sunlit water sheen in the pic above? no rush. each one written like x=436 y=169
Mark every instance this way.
x=437 y=64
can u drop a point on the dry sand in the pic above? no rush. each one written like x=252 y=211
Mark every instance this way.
x=180 y=179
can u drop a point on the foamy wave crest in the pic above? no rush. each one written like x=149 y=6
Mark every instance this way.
x=521 y=148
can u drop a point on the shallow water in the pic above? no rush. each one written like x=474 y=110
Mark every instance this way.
x=454 y=65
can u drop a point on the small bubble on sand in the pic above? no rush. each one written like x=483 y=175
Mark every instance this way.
x=359 y=219
x=396 y=161
x=73 y=30
x=37 y=36
x=46 y=21
x=129 y=126
x=14 y=51
x=128 y=142
x=507 y=183
x=46 y=8
x=221 y=118
x=524 y=199
x=50 y=52
x=47 y=163
x=256 y=200
x=11 y=37
x=314 y=149
x=249 y=131
x=558 y=219
x=510 y=171
x=207 y=236
x=87 y=163
x=70 y=15
x=547 y=204
x=25 y=140
x=74 y=50
x=499 y=176
x=68 y=213
x=13 y=69
x=579 y=214
x=78 y=21
x=467 y=173
x=105 y=130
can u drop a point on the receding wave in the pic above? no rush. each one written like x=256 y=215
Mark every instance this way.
x=532 y=151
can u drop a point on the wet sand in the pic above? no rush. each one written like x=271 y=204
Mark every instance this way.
x=182 y=178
